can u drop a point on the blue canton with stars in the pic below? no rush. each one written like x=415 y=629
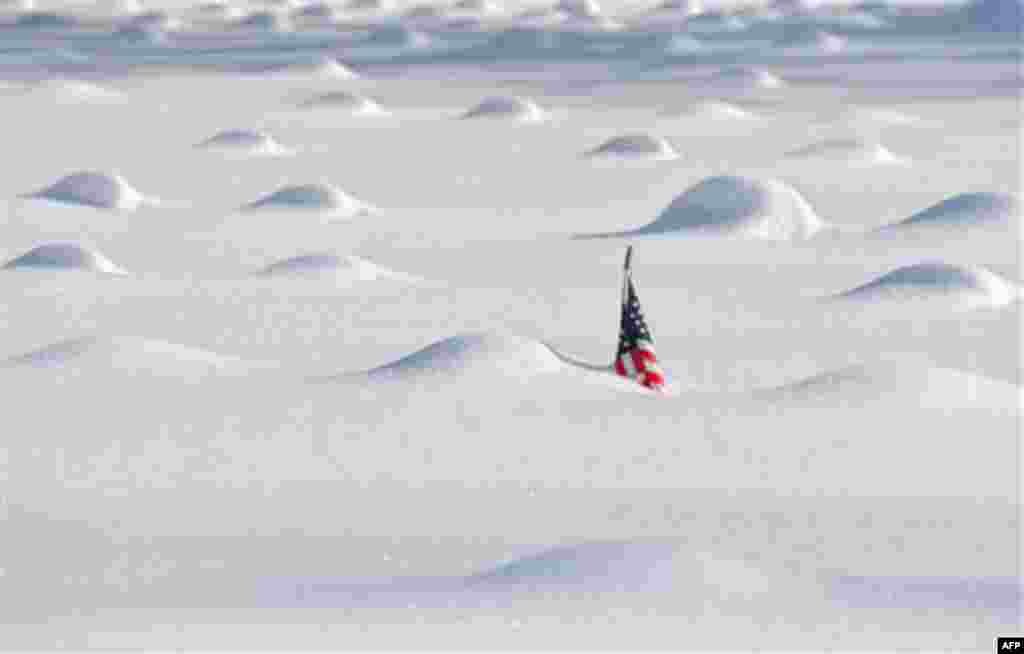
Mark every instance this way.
x=633 y=328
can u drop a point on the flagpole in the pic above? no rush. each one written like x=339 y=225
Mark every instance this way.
x=626 y=272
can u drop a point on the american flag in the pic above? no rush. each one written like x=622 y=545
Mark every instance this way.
x=635 y=358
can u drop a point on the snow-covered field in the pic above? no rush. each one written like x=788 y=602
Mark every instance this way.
x=308 y=312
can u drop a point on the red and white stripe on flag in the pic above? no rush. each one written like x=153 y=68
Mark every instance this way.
x=640 y=363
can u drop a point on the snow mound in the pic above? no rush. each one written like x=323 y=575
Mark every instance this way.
x=623 y=566
x=512 y=107
x=64 y=256
x=311 y=197
x=94 y=189
x=243 y=141
x=74 y=91
x=716 y=22
x=219 y=11
x=848 y=150
x=123 y=7
x=827 y=42
x=541 y=19
x=611 y=565
x=818 y=40
x=351 y=103
x=425 y=12
x=718 y=111
x=46 y=20
x=318 y=11
x=507 y=354
x=797 y=7
x=749 y=78
x=322 y=68
x=329 y=264
x=641 y=146
x=17 y=5
x=265 y=21
x=370 y=5
x=132 y=355
x=579 y=8
x=398 y=36
x=964 y=209
x=967 y=286
x=477 y=6
x=736 y=206
x=881 y=117
x=158 y=19
x=141 y=35
x=685 y=7
x=898 y=382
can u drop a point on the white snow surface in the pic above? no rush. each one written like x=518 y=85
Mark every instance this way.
x=401 y=430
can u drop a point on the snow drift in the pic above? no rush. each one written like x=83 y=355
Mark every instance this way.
x=321 y=68
x=64 y=256
x=345 y=101
x=601 y=565
x=817 y=40
x=507 y=354
x=684 y=7
x=69 y=91
x=425 y=12
x=966 y=286
x=963 y=210
x=158 y=19
x=142 y=35
x=94 y=189
x=635 y=146
x=312 y=197
x=718 y=111
x=243 y=141
x=898 y=382
x=624 y=566
x=579 y=8
x=398 y=36
x=267 y=21
x=747 y=78
x=46 y=20
x=370 y=5
x=317 y=11
x=217 y=10
x=477 y=6
x=853 y=151
x=879 y=117
x=333 y=266
x=510 y=107
x=131 y=355
x=738 y=206
x=17 y=6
